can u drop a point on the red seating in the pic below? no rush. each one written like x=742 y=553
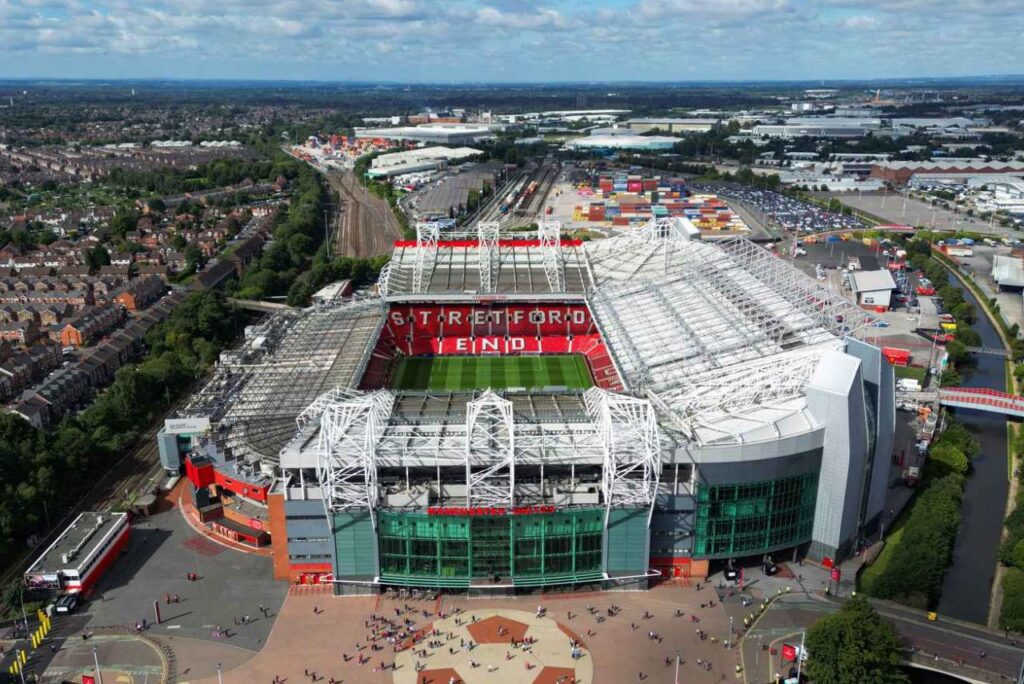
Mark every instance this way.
x=479 y=329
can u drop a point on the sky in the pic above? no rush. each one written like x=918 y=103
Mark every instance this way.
x=440 y=41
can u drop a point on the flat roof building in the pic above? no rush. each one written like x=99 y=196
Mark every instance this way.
x=900 y=172
x=423 y=159
x=669 y=125
x=788 y=131
x=622 y=142
x=873 y=288
x=440 y=134
x=1007 y=271
x=81 y=554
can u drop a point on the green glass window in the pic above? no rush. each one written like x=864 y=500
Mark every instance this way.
x=420 y=546
x=752 y=518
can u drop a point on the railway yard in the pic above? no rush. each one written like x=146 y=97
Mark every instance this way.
x=363 y=225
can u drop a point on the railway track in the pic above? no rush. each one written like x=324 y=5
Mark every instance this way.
x=133 y=473
x=363 y=225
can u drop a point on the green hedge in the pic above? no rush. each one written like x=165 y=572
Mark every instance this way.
x=918 y=565
x=1011 y=614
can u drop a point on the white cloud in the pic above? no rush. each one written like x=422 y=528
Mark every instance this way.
x=528 y=39
x=860 y=21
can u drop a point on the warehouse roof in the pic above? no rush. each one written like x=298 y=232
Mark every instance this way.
x=1008 y=270
x=950 y=166
x=623 y=142
x=871 y=281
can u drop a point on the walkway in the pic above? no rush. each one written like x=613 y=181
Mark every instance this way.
x=259 y=305
x=982 y=399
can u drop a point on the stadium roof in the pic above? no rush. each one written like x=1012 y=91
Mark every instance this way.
x=713 y=331
x=283 y=366
x=716 y=342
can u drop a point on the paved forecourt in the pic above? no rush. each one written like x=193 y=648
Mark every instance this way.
x=459 y=373
x=498 y=653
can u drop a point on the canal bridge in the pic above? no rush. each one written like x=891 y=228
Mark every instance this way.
x=979 y=398
x=982 y=399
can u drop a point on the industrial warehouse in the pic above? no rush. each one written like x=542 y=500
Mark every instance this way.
x=511 y=412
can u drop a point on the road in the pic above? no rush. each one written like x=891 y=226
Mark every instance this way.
x=951 y=641
x=363 y=225
x=897 y=208
x=137 y=472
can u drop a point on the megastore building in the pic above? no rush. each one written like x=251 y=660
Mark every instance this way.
x=724 y=408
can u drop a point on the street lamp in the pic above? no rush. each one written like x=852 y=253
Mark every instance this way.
x=96 y=660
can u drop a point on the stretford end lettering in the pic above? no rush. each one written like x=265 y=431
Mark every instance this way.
x=488 y=510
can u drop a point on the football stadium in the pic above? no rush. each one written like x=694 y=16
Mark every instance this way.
x=508 y=412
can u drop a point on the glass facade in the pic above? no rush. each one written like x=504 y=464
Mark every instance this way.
x=745 y=519
x=451 y=551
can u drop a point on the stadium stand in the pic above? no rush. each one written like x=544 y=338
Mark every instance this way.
x=481 y=329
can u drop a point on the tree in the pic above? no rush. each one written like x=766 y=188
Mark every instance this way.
x=853 y=646
x=123 y=221
x=957 y=352
x=96 y=257
x=194 y=257
x=949 y=459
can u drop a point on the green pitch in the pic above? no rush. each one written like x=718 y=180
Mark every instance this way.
x=454 y=373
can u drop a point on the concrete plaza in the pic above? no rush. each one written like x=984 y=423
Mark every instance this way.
x=330 y=638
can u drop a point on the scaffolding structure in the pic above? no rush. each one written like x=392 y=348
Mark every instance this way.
x=346 y=468
x=259 y=390
x=549 y=233
x=628 y=428
x=490 y=452
x=488 y=260
x=426 y=254
x=460 y=262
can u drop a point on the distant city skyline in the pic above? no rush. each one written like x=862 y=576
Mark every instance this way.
x=509 y=40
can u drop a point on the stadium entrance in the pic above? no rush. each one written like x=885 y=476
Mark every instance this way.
x=491 y=547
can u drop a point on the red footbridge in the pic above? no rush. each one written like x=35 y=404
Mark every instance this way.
x=983 y=400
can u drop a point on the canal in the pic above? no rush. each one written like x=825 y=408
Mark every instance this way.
x=968 y=584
